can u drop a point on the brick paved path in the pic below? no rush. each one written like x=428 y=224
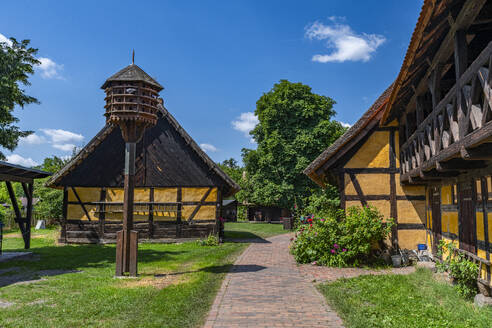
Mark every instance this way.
x=266 y=289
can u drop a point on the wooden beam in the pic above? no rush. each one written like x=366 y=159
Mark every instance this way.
x=459 y=165
x=197 y=208
x=81 y=203
x=482 y=152
x=14 y=178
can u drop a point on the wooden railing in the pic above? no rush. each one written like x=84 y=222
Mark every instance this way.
x=462 y=119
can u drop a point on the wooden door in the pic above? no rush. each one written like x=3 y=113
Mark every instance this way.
x=466 y=216
x=435 y=198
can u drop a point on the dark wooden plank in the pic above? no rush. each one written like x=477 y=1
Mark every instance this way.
x=133 y=253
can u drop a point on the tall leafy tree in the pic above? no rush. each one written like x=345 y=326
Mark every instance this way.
x=295 y=126
x=16 y=64
x=50 y=205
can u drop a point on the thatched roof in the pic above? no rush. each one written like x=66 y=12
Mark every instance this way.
x=372 y=115
x=166 y=157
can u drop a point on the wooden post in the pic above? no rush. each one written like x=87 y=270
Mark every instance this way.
x=129 y=247
x=102 y=212
x=179 y=196
x=63 y=232
x=30 y=188
x=151 y=213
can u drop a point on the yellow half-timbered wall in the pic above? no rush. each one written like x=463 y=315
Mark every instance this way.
x=197 y=204
x=371 y=177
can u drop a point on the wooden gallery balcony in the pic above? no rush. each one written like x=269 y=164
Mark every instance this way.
x=457 y=133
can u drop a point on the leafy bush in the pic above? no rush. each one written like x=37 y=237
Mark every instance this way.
x=463 y=271
x=3 y=214
x=341 y=239
x=211 y=240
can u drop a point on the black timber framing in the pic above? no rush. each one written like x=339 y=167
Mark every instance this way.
x=23 y=222
x=79 y=201
x=199 y=205
x=393 y=200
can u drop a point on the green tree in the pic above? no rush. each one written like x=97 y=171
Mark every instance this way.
x=50 y=205
x=16 y=64
x=295 y=126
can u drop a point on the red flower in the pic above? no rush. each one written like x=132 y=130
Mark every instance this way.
x=310 y=220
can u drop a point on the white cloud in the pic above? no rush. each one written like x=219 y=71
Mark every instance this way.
x=62 y=139
x=19 y=160
x=245 y=123
x=62 y=136
x=346 y=125
x=33 y=139
x=345 y=43
x=4 y=39
x=49 y=69
x=208 y=147
x=64 y=147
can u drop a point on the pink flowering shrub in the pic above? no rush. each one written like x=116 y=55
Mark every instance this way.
x=345 y=239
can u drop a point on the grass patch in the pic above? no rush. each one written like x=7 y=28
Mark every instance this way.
x=175 y=288
x=416 y=300
x=238 y=230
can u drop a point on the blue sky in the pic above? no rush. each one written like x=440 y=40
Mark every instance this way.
x=214 y=59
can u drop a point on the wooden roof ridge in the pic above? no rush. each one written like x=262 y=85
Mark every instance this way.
x=353 y=131
x=107 y=129
x=417 y=35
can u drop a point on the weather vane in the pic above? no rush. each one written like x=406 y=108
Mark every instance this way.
x=133 y=57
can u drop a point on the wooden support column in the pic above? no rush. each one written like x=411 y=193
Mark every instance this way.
x=151 y=213
x=179 y=197
x=218 y=213
x=18 y=216
x=63 y=232
x=28 y=190
x=102 y=212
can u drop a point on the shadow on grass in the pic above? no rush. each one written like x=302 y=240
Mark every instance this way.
x=80 y=257
x=226 y=268
x=234 y=236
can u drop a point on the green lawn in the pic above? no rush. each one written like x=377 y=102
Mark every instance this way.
x=246 y=230
x=175 y=288
x=415 y=300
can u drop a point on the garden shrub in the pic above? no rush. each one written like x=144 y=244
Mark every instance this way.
x=211 y=240
x=463 y=271
x=342 y=239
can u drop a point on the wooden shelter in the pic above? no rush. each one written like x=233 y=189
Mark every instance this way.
x=178 y=188
x=441 y=104
x=25 y=176
x=229 y=210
